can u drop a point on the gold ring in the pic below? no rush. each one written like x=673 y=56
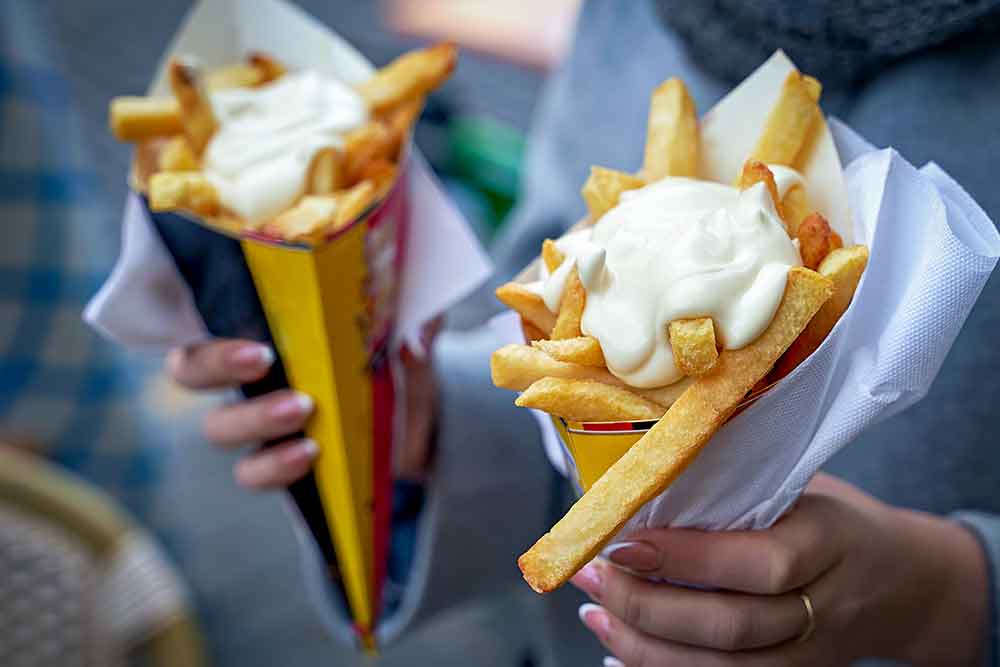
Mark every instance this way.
x=810 y=618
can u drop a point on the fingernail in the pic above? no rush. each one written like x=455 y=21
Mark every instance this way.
x=254 y=354
x=296 y=405
x=610 y=661
x=635 y=556
x=596 y=619
x=590 y=580
x=306 y=449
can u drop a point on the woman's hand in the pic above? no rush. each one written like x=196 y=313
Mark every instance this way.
x=230 y=363
x=883 y=582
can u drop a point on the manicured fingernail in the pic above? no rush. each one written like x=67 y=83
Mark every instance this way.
x=596 y=619
x=610 y=661
x=590 y=580
x=295 y=405
x=635 y=556
x=305 y=449
x=254 y=354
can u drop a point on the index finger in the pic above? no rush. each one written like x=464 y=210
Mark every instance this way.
x=786 y=557
x=219 y=364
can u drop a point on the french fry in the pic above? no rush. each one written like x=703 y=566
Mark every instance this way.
x=844 y=267
x=796 y=207
x=308 y=220
x=531 y=332
x=755 y=171
x=604 y=187
x=584 y=350
x=836 y=241
x=382 y=173
x=672 y=139
x=693 y=345
x=409 y=77
x=791 y=121
x=137 y=118
x=552 y=256
x=400 y=122
x=570 y=315
x=369 y=142
x=814 y=235
x=587 y=400
x=325 y=172
x=176 y=155
x=169 y=190
x=197 y=116
x=240 y=75
x=529 y=304
x=352 y=203
x=646 y=469
x=516 y=367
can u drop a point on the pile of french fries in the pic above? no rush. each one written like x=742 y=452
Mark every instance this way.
x=172 y=133
x=562 y=370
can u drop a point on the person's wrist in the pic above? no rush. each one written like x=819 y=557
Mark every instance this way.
x=948 y=625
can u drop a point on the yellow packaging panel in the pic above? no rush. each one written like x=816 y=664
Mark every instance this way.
x=593 y=452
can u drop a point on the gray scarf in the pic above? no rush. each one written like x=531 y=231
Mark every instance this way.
x=839 y=41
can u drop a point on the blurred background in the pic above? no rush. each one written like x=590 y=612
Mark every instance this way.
x=234 y=551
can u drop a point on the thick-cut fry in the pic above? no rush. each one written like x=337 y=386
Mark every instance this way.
x=529 y=304
x=693 y=345
x=307 y=220
x=382 y=173
x=587 y=400
x=795 y=205
x=190 y=190
x=197 y=116
x=672 y=139
x=517 y=366
x=531 y=332
x=791 y=121
x=136 y=118
x=370 y=141
x=400 y=122
x=240 y=75
x=604 y=187
x=325 y=171
x=352 y=203
x=835 y=241
x=584 y=350
x=570 y=315
x=844 y=267
x=176 y=155
x=666 y=450
x=552 y=256
x=755 y=171
x=814 y=235
x=408 y=77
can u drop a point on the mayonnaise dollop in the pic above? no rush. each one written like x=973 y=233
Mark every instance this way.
x=678 y=248
x=267 y=136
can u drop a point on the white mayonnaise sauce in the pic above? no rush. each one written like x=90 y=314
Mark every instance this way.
x=267 y=136
x=678 y=248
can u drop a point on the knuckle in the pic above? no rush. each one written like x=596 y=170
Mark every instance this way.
x=732 y=630
x=782 y=569
x=632 y=608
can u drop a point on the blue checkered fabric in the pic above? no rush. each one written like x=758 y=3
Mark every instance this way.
x=61 y=386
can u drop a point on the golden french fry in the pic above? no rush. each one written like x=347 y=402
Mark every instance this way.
x=574 y=299
x=693 y=344
x=604 y=187
x=814 y=235
x=197 y=116
x=267 y=65
x=531 y=332
x=844 y=267
x=400 y=123
x=325 y=172
x=371 y=141
x=835 y=241
x=352 y=203
x=190 y=190
x=240 y=75
x=176 y=155
x=584 y=350
x=666 y=450
x=755 y=171
x=587 y=400
x=791 y=121
x=409 y=76
x=796 y=207
x=552 y=255
x=529 y=304
x=382 y=173
x=672 y=139
x=136 y=118
x=308 y=220
x=518 y=366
